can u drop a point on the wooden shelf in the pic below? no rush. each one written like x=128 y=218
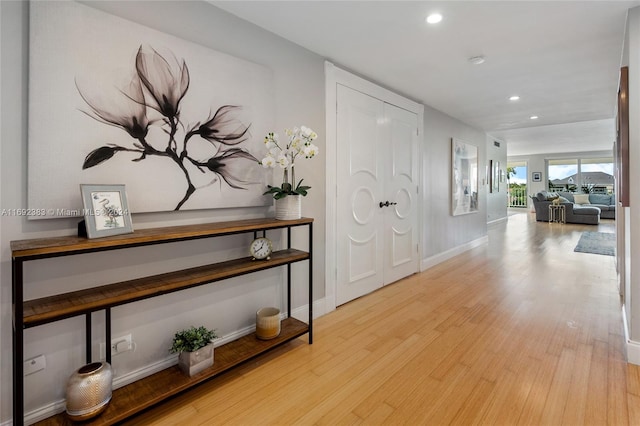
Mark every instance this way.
x=144 y=393
x=65 y=305
x=64 y=246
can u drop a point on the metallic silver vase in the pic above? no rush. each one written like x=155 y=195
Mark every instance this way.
x=89 y=391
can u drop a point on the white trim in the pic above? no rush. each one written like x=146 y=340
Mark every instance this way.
x=446 y=255
x=498 y=220
x=319 y=309
x=43 y=412
x=632 y=347
x=333 y=77
x=331 y=111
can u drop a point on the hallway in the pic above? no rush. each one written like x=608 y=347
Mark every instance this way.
x=519 y=331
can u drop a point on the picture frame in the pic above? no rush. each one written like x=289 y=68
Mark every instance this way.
x=464 y=178
x=536 y=176
x=106 y=210
x=495 y=176
x=621 y=146
x=86 y=60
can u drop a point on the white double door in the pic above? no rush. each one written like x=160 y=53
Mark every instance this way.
x=377 y=194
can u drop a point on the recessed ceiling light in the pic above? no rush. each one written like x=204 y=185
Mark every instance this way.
x=533 y=117
x=514 y=98
x=434 y=18
x=477 y=60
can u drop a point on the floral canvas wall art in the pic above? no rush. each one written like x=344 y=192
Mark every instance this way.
x=112 y=101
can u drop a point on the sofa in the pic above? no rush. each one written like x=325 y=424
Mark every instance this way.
x=579 y=208
x=605 y=202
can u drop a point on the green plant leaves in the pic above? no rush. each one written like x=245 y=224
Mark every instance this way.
x=192 y=339
x=286 y=189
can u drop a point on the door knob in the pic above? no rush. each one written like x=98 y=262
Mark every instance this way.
x=385 y=204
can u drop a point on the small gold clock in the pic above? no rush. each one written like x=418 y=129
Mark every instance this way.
x=261 y=248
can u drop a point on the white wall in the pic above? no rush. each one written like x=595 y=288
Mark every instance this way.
x=228 y=306
x=632 y=213
x=442 y=231
x=497 y=201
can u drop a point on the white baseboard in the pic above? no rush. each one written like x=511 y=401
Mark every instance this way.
x=43 y=412
x=499 y=220
x=51 y=409
x=319 y=309
x=631 y=346
x=441 y=257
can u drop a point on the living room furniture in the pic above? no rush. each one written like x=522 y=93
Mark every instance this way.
x=557 y=213
x=139 y=395
x=574 y=213
x=605 y=202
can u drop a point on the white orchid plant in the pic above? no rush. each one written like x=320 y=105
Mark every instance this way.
x=299 y=144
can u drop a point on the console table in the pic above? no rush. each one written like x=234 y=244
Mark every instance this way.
x=144 y=393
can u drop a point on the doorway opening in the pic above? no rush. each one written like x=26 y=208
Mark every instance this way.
x=517 y=184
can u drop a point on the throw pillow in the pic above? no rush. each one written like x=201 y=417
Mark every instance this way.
x=567 y=195
x=581 y=198
x=563 y=200
x=603 y=199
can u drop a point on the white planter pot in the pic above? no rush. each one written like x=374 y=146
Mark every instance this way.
x=267 y=323
x=192 y=363
x=289 y=207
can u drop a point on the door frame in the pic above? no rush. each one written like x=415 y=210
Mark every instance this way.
x=335 y=76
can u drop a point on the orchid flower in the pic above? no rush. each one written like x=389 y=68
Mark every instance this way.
x=299 y=143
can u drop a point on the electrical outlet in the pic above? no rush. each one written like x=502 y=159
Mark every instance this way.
x=34 y=365
x=118 y=346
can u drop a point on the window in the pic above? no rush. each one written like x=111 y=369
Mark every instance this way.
x=581 y=175
x=597 y=175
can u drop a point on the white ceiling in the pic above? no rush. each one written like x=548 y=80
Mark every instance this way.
x=561 y=57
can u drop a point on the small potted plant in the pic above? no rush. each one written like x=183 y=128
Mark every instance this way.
x=288 y=195
x=195 y=348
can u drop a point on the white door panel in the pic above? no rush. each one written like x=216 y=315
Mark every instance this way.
x=401 y=230
x=359 y=226
x=376 y=162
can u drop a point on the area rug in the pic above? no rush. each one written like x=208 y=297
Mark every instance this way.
x=597 y=243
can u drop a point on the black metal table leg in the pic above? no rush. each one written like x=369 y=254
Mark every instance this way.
x=18 y=342
x=107 y=325
x=310 y=283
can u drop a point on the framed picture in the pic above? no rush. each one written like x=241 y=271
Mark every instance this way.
x=536 y=177
x=103 y=76
x=621 y=151
x=106 y=211
x=495 y=176
x=464 y=178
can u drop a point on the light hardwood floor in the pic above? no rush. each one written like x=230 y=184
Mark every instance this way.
x=520 y=331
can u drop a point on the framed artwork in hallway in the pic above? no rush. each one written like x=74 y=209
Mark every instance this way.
x=464 y=178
